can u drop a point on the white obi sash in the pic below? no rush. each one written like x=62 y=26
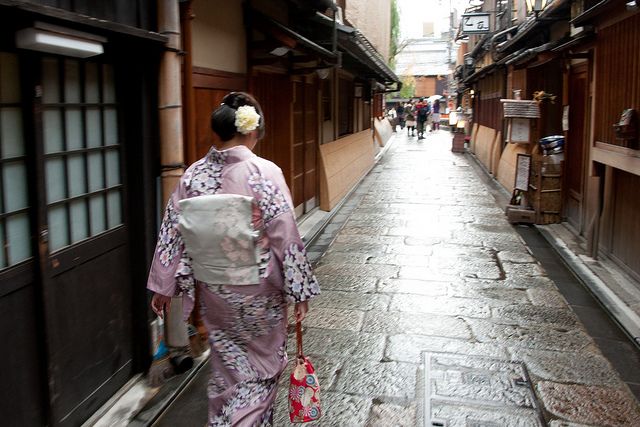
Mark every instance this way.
x=220 y=239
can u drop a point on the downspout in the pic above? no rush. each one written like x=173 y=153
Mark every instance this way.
x=170 y=99
x=188 y=108
x=335 y=77
x=172 y=156
x=334 y=35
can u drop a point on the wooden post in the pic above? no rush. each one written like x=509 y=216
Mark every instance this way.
x=170 y=99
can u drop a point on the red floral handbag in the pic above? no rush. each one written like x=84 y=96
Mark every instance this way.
x=304 y=389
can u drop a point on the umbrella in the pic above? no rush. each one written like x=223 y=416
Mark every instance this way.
x=434 y=97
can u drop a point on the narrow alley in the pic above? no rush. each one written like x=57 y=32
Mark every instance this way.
x=434 y=312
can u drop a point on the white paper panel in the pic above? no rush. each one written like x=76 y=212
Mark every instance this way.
x=19 y=238
x=55 y=179
x=52 y=124
x=98 y=214
x=76 y=175
x=73 y=125
x=11 y=135
x=114 y=208
x=58 y=228
x=79 y=222
x=94 y=127
x=15 y=191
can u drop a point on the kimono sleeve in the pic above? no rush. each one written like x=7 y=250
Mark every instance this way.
x=171 y=272
x=274 y=199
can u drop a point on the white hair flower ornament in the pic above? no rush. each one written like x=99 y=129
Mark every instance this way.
x=247 y=119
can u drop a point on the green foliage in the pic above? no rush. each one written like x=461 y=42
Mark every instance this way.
x=408 y=87
x=395 y=33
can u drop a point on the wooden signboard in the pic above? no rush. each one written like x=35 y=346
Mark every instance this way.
x=523 y=168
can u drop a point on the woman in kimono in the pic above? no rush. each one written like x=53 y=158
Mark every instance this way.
x=229 y=234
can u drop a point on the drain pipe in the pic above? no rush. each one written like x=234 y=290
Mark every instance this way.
x=172 y=159
x=170 y=99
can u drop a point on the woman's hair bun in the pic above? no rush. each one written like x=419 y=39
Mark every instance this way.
x=224 y=117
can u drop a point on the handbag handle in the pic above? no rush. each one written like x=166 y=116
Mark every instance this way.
x=299 y=338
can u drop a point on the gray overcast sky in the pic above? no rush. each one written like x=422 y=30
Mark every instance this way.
x=414 y=12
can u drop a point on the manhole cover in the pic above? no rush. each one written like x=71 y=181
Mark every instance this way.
x=475 y=391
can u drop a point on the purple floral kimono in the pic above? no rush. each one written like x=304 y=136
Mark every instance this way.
x=247 y=323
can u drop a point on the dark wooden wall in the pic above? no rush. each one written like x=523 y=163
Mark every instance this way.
x=209 y=87
x=625 y=236
x=617 y=83
x=274 y=92
x=135 y=13
x=488 y=106
x=617 y=87
x=547 y=77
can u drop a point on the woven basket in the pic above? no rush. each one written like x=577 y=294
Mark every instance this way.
x=520 y=108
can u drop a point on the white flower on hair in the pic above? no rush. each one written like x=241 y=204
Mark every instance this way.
x=247 y=119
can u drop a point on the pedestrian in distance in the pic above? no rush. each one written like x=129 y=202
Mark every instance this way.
x=393 y=118
x=411 y=119
x=401 y=115
x=435 y=115
x=229 y=235
x=422 y=113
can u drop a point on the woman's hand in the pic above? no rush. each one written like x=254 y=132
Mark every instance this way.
x=300 y=310
x=160 y=304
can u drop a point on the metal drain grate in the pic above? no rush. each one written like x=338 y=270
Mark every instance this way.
x=476 y=391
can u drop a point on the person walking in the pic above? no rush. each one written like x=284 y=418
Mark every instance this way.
x=411 y=119
x=422 y=113
x=401 y=115
x=435 y=115
x=393 y=118
x=229 y=235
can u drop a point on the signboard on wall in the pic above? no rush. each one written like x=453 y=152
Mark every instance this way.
x=475 y=23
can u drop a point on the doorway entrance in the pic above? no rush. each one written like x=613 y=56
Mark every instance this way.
x=576 y=143
x=305 y=145
x=66 y=294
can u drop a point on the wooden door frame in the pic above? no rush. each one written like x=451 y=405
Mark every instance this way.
x=137 y=130
x=580 y=68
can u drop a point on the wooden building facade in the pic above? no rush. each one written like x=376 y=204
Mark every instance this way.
x=613 y=173
x=584 y=55
x=317 y=83
x=77 y=202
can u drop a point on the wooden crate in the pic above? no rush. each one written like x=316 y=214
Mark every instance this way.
x=517 y=214
x=545 y=191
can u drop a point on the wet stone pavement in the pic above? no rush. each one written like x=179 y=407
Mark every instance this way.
x=433 y=311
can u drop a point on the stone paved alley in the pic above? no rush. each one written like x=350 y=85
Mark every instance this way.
x=435 y=313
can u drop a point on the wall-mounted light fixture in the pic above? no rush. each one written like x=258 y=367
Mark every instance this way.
x=632 y=5
x=50 y=38
x=536 y=6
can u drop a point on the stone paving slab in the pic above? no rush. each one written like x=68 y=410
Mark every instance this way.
x=416 y=324
x=592 y=405
x=426 y=262
x=473 y=390
x=535 y=336
x=415 y=287
x=409 y=348
x=347 y=283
